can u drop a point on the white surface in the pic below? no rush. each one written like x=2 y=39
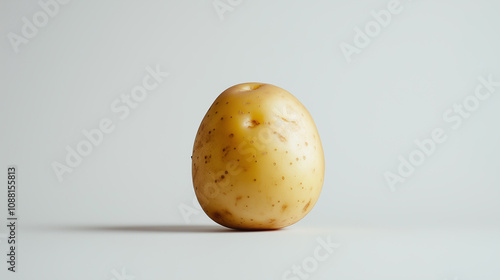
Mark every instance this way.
x=442 y=222
x=211 y=252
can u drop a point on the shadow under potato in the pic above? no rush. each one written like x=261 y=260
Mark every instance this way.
x=152 y=228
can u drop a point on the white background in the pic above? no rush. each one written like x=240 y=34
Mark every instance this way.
x=118 y=212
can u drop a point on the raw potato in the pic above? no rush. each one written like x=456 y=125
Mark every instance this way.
x=257 y=160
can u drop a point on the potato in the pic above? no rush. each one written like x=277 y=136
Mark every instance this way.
x=257 y=159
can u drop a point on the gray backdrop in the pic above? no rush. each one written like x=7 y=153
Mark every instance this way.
x=101 y=101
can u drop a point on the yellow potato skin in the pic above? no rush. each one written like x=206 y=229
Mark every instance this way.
x=257 y=159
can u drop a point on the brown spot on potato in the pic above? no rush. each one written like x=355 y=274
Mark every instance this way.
x=306 y=206
x=283 y=208
x=282 y=177
x=282 y=138
x=272 y=221
x=231 y=135
x=227 y=212
x=252 y=123
x=217 y=215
